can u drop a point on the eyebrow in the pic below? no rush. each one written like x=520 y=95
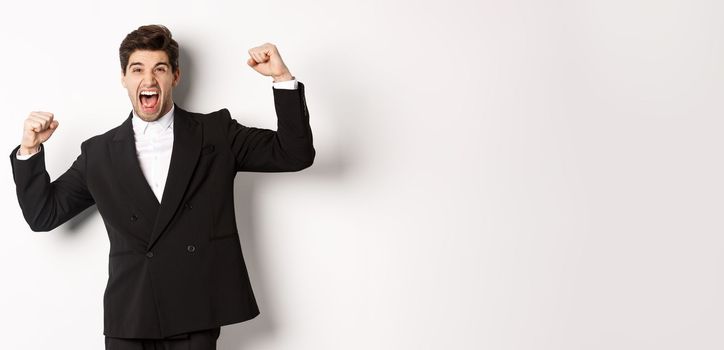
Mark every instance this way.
x=141 y=64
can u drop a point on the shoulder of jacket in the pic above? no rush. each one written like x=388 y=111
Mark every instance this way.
x=101 y=138
x=221 y=116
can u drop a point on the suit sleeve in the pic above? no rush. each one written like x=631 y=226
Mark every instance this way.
x=45 y=204
x=289 y=148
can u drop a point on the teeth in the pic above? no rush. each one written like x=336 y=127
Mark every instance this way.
x=149 y=93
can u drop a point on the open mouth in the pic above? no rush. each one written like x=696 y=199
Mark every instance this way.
x=149 y=100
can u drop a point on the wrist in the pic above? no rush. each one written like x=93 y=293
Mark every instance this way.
x=283 y=77
x=24 y=151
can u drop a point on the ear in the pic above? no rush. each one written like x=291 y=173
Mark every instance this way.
x=176 y=77
x=123 y=79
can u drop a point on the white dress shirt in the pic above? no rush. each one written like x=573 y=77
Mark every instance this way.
x=154 y=144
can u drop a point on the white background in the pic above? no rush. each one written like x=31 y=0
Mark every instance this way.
x=489 y=174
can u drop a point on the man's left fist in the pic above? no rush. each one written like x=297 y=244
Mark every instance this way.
x=266 y=60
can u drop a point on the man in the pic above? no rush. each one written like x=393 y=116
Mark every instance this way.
x=163 y=184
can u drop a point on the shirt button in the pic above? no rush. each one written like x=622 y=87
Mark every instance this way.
x=188 y=205
x=149 y=254
x=134 y=217
x=191 y=248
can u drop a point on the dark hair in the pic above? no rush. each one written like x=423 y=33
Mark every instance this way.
x=151 y=37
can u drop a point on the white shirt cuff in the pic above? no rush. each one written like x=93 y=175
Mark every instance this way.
x=287 y=84
x=25 y=156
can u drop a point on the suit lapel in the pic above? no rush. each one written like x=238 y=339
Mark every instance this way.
x=187 y=138
x=125 y=164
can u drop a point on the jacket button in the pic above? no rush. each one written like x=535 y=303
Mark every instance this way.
x=191 y=248
x=134 y=217
x=149 y=254
x=188 y=205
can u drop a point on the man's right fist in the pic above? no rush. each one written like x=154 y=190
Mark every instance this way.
x=37 y=129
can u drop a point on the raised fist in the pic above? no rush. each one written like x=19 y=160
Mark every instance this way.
x=37 y=129
x=266 y=60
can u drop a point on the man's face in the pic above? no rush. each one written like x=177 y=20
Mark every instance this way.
x=149 y=81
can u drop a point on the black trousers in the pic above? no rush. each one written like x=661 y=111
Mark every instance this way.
x=201 y=340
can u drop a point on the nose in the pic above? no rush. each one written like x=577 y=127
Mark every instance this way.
x=149 y=79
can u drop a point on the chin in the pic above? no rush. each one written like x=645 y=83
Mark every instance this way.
x=148 y=118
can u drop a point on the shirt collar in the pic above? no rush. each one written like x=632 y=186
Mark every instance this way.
x=141 y=126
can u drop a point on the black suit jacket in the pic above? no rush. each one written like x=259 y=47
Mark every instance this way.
x=174 y=266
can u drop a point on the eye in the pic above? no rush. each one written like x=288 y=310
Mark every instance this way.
x=161 y=69
x=135 y=70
